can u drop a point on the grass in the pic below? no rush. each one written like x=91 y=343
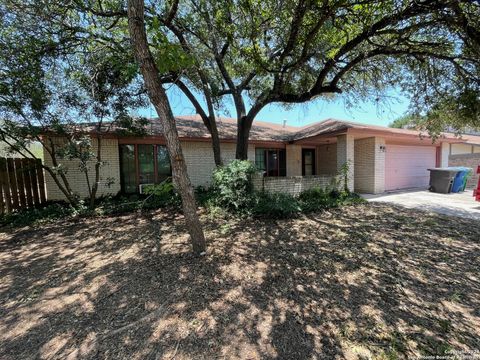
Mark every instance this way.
x=366 y=281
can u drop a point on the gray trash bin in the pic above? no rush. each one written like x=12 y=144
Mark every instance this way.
x=441 y=179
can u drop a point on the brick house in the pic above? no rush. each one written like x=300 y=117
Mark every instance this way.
x=466 y=154
x=289 y=159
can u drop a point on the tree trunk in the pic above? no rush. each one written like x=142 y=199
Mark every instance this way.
x=215 y=142
x=158 y=97
x=98 y=162
x=243 y=133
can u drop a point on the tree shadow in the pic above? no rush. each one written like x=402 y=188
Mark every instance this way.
x=360 y=281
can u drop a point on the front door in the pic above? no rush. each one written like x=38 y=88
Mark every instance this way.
x=308 y=162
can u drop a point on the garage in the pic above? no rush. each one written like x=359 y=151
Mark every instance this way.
x=406 y=166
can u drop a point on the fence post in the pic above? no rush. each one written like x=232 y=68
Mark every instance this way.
x=12 y=181
x=20 y=182
x=4 y=185
x=33 y=178
x=41 y=180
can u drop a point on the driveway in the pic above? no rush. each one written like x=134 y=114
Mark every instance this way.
x=460 y=204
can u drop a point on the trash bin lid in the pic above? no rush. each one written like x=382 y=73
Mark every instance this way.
x=445 y=169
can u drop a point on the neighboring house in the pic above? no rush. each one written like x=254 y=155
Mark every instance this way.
x=291 y=158
x=466 y=154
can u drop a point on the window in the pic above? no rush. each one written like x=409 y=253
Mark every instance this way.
x=146 y=165
x=260 y=159
x=308 y=162
x=128 y=174
x=163 y=164
x=271 y=161
x=143 y=164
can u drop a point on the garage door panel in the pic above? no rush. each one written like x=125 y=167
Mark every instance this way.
x=406 y=166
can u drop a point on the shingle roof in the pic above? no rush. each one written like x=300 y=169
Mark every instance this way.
x=192 y=127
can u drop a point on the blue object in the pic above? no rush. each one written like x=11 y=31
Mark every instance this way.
x=459 y=181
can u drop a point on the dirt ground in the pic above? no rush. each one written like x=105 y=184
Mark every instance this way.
x=365 y=281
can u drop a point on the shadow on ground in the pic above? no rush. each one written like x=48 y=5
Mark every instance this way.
x=365 y=281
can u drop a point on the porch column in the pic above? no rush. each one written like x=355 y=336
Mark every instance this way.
x=345 y=155
x=444 y=154
x=294 y=160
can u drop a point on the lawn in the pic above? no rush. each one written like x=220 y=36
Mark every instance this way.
x=365 y=281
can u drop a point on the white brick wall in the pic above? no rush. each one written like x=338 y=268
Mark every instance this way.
x=292 y=185
x=77 y=179
x=198 y=157
x=327 y=159
x=294 y=160
x=369 y=168
x=200 y=161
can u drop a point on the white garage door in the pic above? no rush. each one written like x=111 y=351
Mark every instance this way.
x=406 y=166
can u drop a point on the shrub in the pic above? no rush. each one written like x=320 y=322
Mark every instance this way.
x=317 y=199
x=205 y=195
x=49 y=212
x=161 y=195
x=233 y=184
x=275 y=205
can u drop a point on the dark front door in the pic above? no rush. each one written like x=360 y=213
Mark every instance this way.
x=308 y=162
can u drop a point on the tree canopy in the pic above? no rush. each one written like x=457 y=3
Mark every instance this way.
x=251 y=53
x=254 y=53
x=55 y=75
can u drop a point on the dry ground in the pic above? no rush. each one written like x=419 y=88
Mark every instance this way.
x=367 y=281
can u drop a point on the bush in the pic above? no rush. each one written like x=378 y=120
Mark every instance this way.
x=275 y=205
x=49 y=212
x=158 y=196
x=161 y=194
x=205 y=195
x=232 y=185
x=317 y=199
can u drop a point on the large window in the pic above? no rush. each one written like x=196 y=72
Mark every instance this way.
x=163 y=164
x=271 y=161
x=146 y=164
x=143 y=164
x=128 y=173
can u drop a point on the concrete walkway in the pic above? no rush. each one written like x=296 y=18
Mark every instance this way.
x=461 y=204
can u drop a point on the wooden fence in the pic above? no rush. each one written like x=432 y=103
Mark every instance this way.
x=22 y=184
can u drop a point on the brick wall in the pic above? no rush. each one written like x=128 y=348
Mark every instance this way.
x=467 y=160
x=200 y=161
x=292 y=185
x=369 y=168
x=198 y=157
x=109 y=171
x=327 y=159
x=294 y=160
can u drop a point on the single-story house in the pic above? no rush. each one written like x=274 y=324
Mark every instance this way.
x=467 y=154
x=380 y=158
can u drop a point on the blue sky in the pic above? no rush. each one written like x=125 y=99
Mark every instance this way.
x=303 y=114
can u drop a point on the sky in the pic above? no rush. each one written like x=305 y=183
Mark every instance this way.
x=304 y=114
